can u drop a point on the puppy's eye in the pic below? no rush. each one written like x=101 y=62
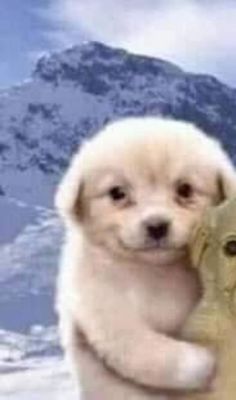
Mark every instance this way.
x=184 y=190
x=117 y=193
x=230 y=248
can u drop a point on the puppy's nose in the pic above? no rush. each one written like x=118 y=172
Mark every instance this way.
x=158 y=231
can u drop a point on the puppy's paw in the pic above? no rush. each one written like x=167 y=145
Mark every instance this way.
x=196 y=368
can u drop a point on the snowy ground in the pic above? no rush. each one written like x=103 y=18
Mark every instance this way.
x=39 y=380
x=32 y=367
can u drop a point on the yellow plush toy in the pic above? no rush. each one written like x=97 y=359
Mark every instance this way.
x=213 y=322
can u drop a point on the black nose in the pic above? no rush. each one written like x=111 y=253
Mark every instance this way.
x=158 y=231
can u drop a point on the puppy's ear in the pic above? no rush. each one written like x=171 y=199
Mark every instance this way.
x=68 y=199
x=226 y=180
x=201 y=239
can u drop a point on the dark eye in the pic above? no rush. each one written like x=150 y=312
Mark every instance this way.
x=117 y=193
x=230 y=247
x=184 y=190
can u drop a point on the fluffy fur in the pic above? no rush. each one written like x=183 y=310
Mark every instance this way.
x=129 y=291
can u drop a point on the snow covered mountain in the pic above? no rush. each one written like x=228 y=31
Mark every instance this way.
x=28 y=267
x=70 y=95
x=73 y=93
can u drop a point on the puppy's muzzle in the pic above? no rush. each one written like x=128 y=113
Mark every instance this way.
x=157 y=230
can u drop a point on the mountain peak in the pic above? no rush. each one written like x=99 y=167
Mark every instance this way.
x=97 y=58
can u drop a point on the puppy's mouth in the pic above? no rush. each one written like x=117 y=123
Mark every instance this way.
x=160 y=246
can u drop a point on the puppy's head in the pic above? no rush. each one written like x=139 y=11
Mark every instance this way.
x=139 y=187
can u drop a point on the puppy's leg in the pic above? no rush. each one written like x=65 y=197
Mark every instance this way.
x=95 y=381
x=146 y=357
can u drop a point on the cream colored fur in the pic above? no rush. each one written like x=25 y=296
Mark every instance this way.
x=128 y=295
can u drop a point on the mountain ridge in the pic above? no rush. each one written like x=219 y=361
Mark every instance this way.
x=73 y=93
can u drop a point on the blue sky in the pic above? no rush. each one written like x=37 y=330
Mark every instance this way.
x=26 y=31
x=21 y=33
x=199 y=35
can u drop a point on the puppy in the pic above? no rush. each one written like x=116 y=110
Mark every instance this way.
x=130 y=200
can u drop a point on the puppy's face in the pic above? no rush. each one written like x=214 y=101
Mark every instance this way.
x=146 y=216
x=141 y=198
